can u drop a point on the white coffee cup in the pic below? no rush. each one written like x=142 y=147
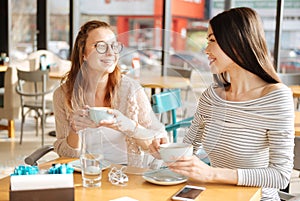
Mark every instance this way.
x=98 y=114
x=170 y=152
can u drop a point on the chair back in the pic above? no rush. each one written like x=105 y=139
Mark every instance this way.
x=51 y=59
x=32 y=88
x=290 y=78
x=32 y=84
x=166 y=101
x=170 y=101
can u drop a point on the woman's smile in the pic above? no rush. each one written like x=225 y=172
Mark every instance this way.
x=211 y=60
x=108 y=60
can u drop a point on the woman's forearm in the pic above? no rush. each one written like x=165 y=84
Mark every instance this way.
x=222 y=175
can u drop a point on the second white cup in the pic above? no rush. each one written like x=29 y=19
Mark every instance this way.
x=172 y=151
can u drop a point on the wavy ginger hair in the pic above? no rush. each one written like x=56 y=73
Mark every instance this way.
x=75 y=81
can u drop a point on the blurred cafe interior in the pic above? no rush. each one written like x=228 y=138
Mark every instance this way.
x=166 y=38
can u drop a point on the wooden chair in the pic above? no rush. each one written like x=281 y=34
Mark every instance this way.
x=170 y=101
x=32 y=88
x=51 y=59
x=10 y=108
x=33 y=158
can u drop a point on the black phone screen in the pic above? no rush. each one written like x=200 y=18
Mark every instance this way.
x=189 y=192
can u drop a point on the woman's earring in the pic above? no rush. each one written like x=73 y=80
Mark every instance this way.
x=84 y=63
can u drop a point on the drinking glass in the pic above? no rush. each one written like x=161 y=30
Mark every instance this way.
x=91 y=157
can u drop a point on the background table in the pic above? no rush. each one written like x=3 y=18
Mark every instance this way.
x=147 y=81
x=169 y=82
x=3 y=68
x=296 y=90
x=141 y=190
x=297 y=123
x=163 y=82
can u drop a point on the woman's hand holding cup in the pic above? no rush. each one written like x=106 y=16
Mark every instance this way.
x=80 y=120
x=154 y=146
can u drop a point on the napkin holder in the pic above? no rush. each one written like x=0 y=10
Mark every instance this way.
x=46 y=187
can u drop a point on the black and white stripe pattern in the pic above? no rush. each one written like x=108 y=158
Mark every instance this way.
x=256 y=137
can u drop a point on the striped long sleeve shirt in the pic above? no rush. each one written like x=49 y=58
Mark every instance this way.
x=255 y=137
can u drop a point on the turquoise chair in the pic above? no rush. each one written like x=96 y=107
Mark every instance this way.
x=170 y=101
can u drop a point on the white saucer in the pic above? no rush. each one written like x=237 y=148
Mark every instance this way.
x=77 y=167
x=164 y=177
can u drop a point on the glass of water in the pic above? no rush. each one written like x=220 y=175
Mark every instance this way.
x=91 y=157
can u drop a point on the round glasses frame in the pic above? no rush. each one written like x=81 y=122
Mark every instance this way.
x=102 y=47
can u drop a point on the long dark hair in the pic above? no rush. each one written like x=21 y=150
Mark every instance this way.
x=240 y=34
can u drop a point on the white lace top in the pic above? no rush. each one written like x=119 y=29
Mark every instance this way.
x=130 y=99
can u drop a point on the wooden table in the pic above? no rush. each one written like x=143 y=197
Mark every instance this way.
x=296 y=90
x=141 y=190
x=297 y=123
x=58 y=73
x=168 y=82
x=3 y=68
x=162 y=82
x=296 y=94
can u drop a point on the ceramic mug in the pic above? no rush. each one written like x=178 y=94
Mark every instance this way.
x=170 y=152
x=98 y=114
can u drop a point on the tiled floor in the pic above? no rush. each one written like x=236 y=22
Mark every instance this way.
x=12 y=153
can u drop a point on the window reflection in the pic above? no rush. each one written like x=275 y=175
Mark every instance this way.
x=23 y=28
x=138 y=25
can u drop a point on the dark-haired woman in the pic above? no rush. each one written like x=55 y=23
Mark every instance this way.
x=245 y=121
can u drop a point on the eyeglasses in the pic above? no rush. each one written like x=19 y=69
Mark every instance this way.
x=102 y=47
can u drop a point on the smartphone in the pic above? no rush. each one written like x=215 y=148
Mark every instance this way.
x=188 y=193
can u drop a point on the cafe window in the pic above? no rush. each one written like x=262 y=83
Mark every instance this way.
x=139 y=23
x=23 y=29
x=59 y=28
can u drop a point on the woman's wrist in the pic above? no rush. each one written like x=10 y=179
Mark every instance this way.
x=131 y=132
x=222 y=175
x=136 y=127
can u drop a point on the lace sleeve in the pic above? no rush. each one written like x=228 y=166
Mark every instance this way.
x=61 y=147
x=142 y=113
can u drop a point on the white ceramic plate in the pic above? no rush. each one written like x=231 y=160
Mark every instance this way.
x=164 y=177
x=77 y=167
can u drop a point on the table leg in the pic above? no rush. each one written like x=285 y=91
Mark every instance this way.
x=10 y=127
